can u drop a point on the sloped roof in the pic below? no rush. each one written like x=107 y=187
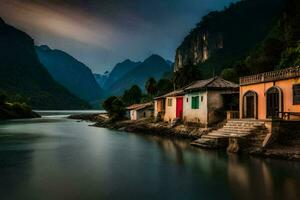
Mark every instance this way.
x=139 y=106
x=174 y=93
x=212 y=83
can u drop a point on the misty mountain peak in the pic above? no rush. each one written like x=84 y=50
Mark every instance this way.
x=44 y=48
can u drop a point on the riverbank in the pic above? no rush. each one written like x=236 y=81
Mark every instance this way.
x=148 y=127
x=145 y=126
x=16 y=111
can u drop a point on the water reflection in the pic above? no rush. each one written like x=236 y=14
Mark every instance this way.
x=248 y=177
x=64 y=159
x=255 y=178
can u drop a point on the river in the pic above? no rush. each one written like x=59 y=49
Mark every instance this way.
x=58 y=158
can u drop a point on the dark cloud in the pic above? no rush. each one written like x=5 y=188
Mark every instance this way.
x=103 y=32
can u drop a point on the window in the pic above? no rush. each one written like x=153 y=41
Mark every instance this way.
x=187 y=99
x=169 y=102
x=296 y=94
x=195 y=102
x=201 y=98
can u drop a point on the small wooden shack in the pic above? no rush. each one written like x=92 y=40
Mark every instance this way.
x=139 y=111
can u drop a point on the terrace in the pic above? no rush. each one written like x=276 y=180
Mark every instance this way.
x=287 y=73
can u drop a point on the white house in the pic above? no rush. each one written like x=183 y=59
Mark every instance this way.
x=139 y=111
x=205 y=99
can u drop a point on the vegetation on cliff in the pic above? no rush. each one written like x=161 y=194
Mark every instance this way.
x=71 y=73
x=22 y=75
x=224 y=37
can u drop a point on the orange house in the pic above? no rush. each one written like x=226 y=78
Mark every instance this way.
x=271 y=95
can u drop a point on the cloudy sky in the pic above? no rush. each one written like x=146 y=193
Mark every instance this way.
x=101 y=33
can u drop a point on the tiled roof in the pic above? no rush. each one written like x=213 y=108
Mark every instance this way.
x=174 y=93
x=212 y=83
x=139 y=106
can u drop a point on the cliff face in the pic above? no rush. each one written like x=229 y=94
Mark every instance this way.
x=198 y=48
x=225 y=36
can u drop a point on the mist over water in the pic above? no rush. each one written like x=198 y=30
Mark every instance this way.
x=59 y=158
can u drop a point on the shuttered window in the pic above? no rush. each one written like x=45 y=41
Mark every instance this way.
x=195 y=102
x=169 y=102
x=296 y=94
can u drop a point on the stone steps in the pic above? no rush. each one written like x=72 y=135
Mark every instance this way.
x=234 y=129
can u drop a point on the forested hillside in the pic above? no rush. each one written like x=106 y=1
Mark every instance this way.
x=224 y=37
x=71 y=73
x=23 y=77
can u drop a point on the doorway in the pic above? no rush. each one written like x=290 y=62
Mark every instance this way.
x=273 y=102
x=250 y=105
x=179 y=107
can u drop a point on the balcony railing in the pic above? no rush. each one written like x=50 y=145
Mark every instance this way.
x=271 y=76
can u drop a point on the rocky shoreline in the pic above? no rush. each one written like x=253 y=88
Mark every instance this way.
x=145 y=126
x=191 y=133
x=16 y=111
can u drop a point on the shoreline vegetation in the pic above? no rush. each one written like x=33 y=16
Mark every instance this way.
x=15 y=110
x=180 y=131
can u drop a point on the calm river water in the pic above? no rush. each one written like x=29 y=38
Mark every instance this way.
x=58 y=158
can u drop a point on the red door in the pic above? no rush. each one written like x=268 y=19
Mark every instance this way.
x=179 y=107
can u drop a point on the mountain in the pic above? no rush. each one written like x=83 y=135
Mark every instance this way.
x=222 y=37
x=101 y=78
x=154 y=66
x=71 y=73
x=118 y=71
x=23 y=76
x=170 y=63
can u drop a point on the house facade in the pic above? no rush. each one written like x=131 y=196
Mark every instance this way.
x=206 y=100
x=173 y=105
x=139 y=111
x=271 y=95
x=159 y=107
x=199 y=102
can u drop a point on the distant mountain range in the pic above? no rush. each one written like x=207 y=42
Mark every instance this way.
x=71 y=73
x=119 y=71
x=23 y=76
x=102 y=78
x=128 y=73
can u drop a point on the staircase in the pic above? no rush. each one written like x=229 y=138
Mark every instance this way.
x=252 y=131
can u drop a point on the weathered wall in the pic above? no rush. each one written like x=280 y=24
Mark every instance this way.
x=195 y=115
x=261 y=88
x=215 y=103
x=135 y=115
x=170 y=111
x=144 y=113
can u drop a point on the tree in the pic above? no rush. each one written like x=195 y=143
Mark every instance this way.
x=186 y=75
x=132 y=96
x=290 y=57
x=107 y=104
x=3 y=98
x=114 y=107
x=151 y=87
x=164 y=86
x=230 y=74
